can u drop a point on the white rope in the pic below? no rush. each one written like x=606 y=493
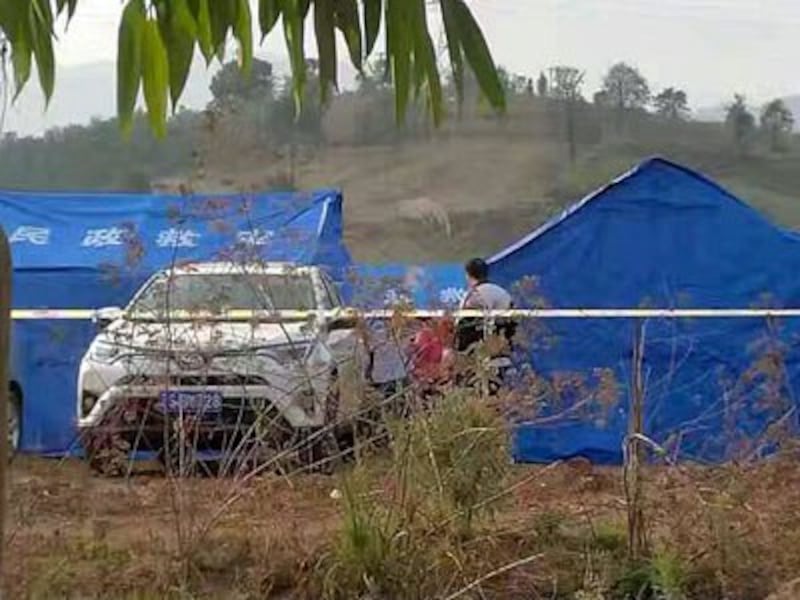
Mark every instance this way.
x=536 y=313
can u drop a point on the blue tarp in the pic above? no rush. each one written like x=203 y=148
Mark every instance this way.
x=661 y=236
x=84 y=251
x=437 y=285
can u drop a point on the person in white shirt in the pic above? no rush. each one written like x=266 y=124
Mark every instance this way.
x=481 y=295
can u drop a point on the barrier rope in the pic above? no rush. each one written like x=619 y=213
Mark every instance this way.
x=534 y=313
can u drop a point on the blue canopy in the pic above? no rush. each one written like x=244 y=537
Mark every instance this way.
x=660 y=236
x=87 y=250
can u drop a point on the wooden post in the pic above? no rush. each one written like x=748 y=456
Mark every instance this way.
x=5 y=335
x=634 y=455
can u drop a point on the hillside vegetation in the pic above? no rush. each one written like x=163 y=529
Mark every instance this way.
x=414 y=193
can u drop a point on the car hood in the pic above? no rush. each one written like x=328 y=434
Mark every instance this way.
x=206 y=337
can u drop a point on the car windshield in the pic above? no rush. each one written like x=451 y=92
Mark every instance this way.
x=228 y=291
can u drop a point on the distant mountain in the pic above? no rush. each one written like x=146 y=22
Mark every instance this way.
x=717 y=113
x=89 y=91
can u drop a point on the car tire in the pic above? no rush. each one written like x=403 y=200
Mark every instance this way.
x=14 y=423
x=108 y=455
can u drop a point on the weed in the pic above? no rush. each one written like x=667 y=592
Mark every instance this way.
x=401 y=534
x=456 y=458
x=609 y=537
x=669 y=577
x=662 y=577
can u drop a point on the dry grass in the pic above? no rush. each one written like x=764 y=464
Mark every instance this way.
x=732 y=530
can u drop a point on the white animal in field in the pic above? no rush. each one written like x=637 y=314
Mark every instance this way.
x=426 y=210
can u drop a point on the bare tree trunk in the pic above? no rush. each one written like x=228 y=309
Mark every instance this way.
x=634 y=455
x=5 y=334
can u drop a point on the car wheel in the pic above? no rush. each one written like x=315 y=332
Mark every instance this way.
x=14 y=423
x=108 y=454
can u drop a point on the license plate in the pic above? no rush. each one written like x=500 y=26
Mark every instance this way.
x=176 y=401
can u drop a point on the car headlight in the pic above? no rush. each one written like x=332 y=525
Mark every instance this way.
x=103 y=351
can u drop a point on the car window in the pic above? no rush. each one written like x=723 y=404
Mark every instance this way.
x=218 y=292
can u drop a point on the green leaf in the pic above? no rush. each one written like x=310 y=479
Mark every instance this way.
x=15 y=18
x=180 y=38
x=453 y=46
x=425 y=57
x=155 y=77
x=372 y=23
x=42 y=43
x=349 y=23
x=182 y=18
x=41 y=16
x=293 y=21
x=326 y=45
x=223 y=14
x=202 y=19
x=21 y=59
x=478 y=56
x=129 y=62
x=398 y=53
x=70 y=5
x=243 y=31
x=268 y=13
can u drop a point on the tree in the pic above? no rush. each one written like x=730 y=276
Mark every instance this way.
x=626 y=88
x=600 y=98
x=777 y=121
x=541 y=85
x=513 y=83
x=741 y=122
x=565 y=86
x=229 y=85
x=157 y=39
x=672 y=104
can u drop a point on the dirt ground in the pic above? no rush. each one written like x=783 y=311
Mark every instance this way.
x=73 y=535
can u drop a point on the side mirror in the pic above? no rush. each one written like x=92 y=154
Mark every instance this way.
x=338 y=320
x=103 y=317
x=342 y=323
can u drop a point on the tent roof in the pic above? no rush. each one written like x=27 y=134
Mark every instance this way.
x=715 y=194
x=55 y=230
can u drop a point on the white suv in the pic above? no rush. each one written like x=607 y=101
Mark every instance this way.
x=188 y=351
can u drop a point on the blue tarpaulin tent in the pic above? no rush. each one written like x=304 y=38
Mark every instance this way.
x=84 y=251
x=661 y=236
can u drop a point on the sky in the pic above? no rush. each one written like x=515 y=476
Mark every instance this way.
x=710 y=48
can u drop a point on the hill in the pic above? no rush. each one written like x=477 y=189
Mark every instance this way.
x=481 y=183
x=415 y=193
